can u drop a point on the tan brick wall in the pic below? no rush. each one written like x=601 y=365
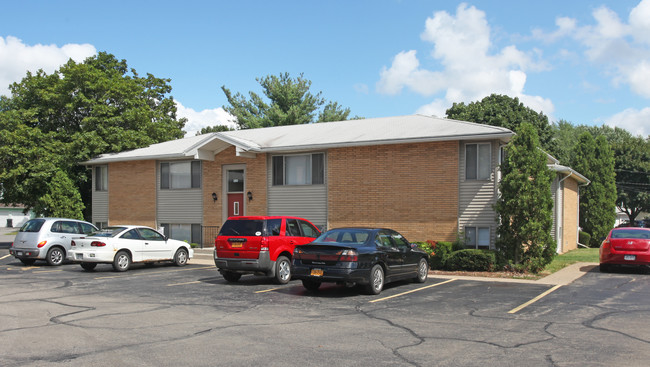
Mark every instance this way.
x=212 y=182
x=411 y=188
x=132 y=193
x=570 y=225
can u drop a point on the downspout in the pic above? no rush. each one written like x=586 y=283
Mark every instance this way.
x=560 y=211
x=578 y=226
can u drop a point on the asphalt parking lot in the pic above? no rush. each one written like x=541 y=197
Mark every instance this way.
x=168 y=316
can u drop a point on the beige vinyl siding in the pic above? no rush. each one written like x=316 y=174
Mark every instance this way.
x=180 y=206
x=306 y=201
x=477 y=197
x=99 y=202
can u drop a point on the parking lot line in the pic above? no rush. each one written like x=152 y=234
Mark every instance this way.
x=517 y=309
x=411 y=291
x=269 y=290
x=4 y=257
x=174 y=284
x=154 y=273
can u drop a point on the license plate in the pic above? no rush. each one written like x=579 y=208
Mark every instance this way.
x=79 y=256
x=236 y=245
x=629 y=257
x=317 y=272
x=19 y=253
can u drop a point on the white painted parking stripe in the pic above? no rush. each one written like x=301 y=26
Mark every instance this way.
x=269 y=290
x=4 y=257
x=174 y=284
x=517 y=309
x=411 y=291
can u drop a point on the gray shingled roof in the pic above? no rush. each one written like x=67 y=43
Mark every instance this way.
x=374 y=131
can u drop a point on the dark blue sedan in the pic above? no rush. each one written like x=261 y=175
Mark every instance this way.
x=370 y=257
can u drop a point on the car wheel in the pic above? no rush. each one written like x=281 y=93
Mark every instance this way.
x=423 y=271
x=230 y=276
x=311 y=285
x=27 y=262
x=88 y=266
x=122 y=261
x=376 y=280
x=180 y=258
x=55 y=256
x=282 y=270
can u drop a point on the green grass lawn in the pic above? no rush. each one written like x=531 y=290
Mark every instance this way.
x=572 y=257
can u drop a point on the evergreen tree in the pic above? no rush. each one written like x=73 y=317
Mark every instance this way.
x=595 y=160
x=525 y=206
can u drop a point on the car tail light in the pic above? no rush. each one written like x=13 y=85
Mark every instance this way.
x=41 y=244
x=73 y=244
x=97 y=244
x=348 y=255
x=264 y=244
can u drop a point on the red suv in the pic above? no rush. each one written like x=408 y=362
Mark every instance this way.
x=261 y=246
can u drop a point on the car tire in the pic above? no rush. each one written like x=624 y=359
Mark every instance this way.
x=376 y=281
x=311 y=285
x=122 y=261
x=282 y=270
x=423 y=271
x=231 y=277
x=55 y=256
x=180 y=258
x=88 y=266
x=27 y=262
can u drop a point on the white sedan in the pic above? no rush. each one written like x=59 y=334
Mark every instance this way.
x=124 y=245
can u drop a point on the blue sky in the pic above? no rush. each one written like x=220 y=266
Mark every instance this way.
x=587 y=62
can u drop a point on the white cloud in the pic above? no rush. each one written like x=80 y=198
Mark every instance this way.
x=198 y=120
x=635 y=121
x=16 y=58
x=469 y=72
x=621 y=48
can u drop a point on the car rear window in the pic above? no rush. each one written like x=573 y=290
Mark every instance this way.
x=630 y=233
x=243 y=227
x=108 y=232
x=346 y=237
x=33 y=225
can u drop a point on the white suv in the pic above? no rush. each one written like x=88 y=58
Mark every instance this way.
x=48 y=239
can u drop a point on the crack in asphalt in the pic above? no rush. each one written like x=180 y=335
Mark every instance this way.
x=590 y=324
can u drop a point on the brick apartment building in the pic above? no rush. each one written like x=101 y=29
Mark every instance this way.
x=426 y=177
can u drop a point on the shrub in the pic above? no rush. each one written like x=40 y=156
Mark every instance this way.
x=441 y=251
x=471 y=260
x=584 y=238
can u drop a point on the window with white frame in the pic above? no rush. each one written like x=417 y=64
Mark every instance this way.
x=183 y=232
x=299 y=169
x=477 y=237
x=180 y=175
x=478 y=161
x=101 y=178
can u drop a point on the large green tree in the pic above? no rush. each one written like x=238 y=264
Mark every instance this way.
x=504 y=111
x=595 y=160
x=288 y=102
x=51 y=122
x=525 y=207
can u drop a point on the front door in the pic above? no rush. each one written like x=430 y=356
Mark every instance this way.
x=235 y=192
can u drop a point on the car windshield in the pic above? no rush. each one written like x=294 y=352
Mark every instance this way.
x=348 y=237
x=33 y=225
x=245 y=227
x=108 y=232
x=631 y=233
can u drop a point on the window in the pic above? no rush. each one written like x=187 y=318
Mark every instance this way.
x=478 y=161
x=305 y=169
x=180 y=175
x=308 y=230
x=101 y=178
x=101 y=225
x=292 y=228
x=183 y=232
x=477 y=237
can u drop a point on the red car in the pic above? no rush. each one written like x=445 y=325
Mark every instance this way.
x=625 y=246
x=260 y=245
